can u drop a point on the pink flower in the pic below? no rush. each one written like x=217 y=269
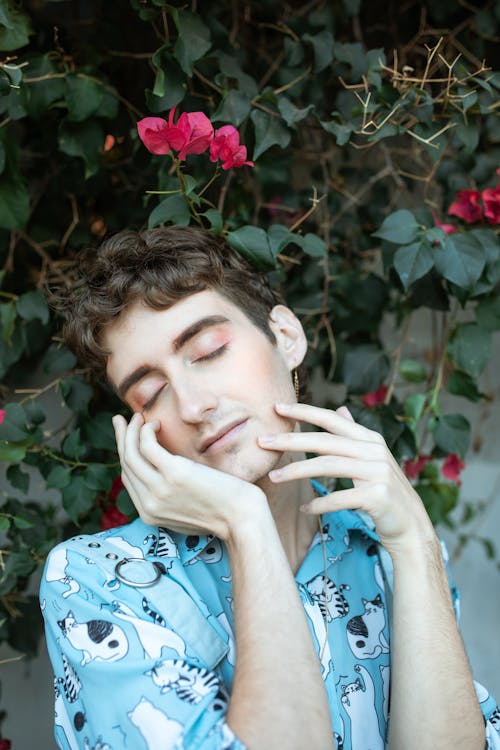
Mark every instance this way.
x=375 y=397
x=112 y=517
x=5 y=744
x=466 y=206
x=451 y=468
x=3 y=414
x=109 y=142
x=448 y=228
x=491 y=200
x=226 y=147
x=413 y=467
x=191 y=134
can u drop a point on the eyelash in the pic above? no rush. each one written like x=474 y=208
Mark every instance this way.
x=207 y=357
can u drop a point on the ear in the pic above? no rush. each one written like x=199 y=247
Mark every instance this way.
x=290 y=337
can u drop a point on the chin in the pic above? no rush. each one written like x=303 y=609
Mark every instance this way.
x=253 y=469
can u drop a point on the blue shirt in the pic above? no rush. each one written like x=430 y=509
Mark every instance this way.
x=151 y=666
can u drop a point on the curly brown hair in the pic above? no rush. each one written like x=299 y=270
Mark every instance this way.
x=159 y=267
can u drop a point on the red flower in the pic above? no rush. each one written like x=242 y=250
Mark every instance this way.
x=491 y=200
x=109 y=142
x=191 y=134
x=375 y=397
x=413 y=467
x=466 y=206
x=448 y=228
x=226 y=147
x=116 y=488
x=452 y=467
x=3 y=414
x=112 y=517
x=5 y=744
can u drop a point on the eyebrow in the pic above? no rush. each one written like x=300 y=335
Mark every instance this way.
x=180 y=341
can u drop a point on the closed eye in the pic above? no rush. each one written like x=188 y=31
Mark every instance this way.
x=212 y=355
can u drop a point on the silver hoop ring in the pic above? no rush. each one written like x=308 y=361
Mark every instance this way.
x=137 y=584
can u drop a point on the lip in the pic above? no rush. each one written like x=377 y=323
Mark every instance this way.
x=223 y=437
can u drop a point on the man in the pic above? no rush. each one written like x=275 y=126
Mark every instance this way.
x=247 y=606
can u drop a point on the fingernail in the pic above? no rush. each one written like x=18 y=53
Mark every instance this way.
x=305 y=508
x=282 y=406
x=275 y=475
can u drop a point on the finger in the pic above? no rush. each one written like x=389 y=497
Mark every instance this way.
x=133 y=459
x=344 y=412
x=327 y=466
x=329 y=420
x=323 y=443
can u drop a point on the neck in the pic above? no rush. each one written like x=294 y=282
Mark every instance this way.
x=295 y=528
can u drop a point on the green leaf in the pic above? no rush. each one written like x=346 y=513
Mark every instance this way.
x=76 y=393
x=13 y=428
x=73 y=447
x=12 y=453
x=57 y=359
x=234 y=108
x=99 y=432
x=77 y=498
x=125 y=504
x=268 y=132
x=4 y=523
x=215 y=220
x=59 y=477
x=169 y=85
x=452 y=434
x=15 y=27
x=99 y=477
x=468 y=135
x=33 y=305
x=341 y=131
x=290 y=113
x=414 y=407
x=83 y=96
x=461 y=384
x=412 y=370
x=439 y=499
x=171 y=210
x=488 y=313
x=193 y=40
x=314 y=245
x=7 y=320
x=399 y=227
x=470 y=348
x=322 y=44
x=412 y=262
x=14 y=201
x=253 y=244
x=460 y=259
x=45 y=90
x=84 y=140
x=364 y=368
x=18 y=478
x=22 y=523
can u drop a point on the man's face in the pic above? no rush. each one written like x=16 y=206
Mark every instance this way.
x=210 y=377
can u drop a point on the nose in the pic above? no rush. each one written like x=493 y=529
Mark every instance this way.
x=195 y=400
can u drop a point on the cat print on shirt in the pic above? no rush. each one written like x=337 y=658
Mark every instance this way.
x=156 y=728
x=99 y=745
x=364 y=632
x=63 y=720
x=161 y=545
x=191 y=684
x=152 y=636
x=97 y=639
x=358 y=700
x=56 y=571
x=330 y=599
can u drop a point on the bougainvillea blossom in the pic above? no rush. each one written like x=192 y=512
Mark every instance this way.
x=467 y=206
x=191 y=134
x=374 y=398
x=491 y=200
x=226 y=147
x=451 y=468
x=413 y=467
x=3 y=414
x=112 y=516
x=5 y=744
x=447 y=228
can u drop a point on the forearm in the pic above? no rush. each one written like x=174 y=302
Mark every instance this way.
x=433 y=702
x=278 y=697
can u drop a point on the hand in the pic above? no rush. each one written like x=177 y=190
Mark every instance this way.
x=173 y=491
x=346 y=449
